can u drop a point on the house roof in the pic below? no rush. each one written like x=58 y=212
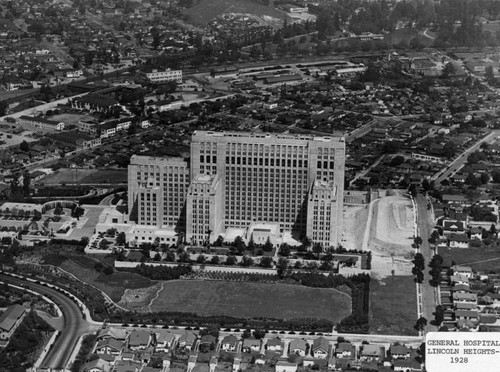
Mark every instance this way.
x=453 y=225
x=230 y=339
x=373 y=350
x=297 y=344
x=464 y=296
x=462 y=268
x=163 y=335
x=111 y=343
x=188 y=337
x=274 y=342
x=249 y=342
x=399 y=350
x=9 y=318
x=345 y=346
x=320 y=343
x=467 y=313
x=207 y=339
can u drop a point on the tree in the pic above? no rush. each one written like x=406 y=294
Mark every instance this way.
x=157 y=257
x=231 y=261
x=317 y=249
x=259 y=334
x=78 y=212
x=246 y=261
x=239 y=244
x=215 y=260
x=413 y=190
x=121 y=238
x=284 y=250
x=246 y=333
x=306 y=242
x=282 y=267
x=108 y=270
x=420 y=324
x=449 y=70
x=201 y=259
x=251 y=244
x=26 y=183
x=266 y=261
x=438 y=315
x=418 y=241
x=24 y=147
x=434 y=237
x=268 y=246
x=218 y=242
x=488 y=74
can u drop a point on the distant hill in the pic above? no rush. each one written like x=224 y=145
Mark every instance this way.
x=205 y=10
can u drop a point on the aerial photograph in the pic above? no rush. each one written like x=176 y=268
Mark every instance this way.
x=249 y=185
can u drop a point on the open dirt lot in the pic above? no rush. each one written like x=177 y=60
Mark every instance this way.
x=355 y=219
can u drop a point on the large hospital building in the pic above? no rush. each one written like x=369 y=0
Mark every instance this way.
x=255 y=183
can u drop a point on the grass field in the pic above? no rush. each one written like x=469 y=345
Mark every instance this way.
x=479 y=259
x=113 y=285
x=249 y=300
x=393 y=306
x=86 y=176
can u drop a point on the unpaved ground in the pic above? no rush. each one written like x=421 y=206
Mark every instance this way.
x=140 y=299
x=390 y=234
x=355 y=218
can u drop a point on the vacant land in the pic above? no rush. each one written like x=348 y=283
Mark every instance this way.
x=480 y=259
x=206 y=10
x=71 y=119
x=393 y=305
x=249 y=300
x=113 y=285
x=86 y=176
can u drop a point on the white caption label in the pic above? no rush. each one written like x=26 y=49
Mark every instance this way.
x=462 y=351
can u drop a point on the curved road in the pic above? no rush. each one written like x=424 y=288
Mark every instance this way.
x=74 y=324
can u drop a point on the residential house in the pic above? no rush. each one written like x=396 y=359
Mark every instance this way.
x=109 y=346
x=187 y=340
x=464 y=297
x=275 y=344
x=453 y=227
x=207 y=343
x=462 y=270
x=472 y=315
x=345 y=350
x=372 y=353
x=298 y=346
x=10 y=320
x=459 y=279
x=251 y=344
x=285 y=366
x=320 y=348
x=164 y=340
x=458 y=241
x=408 y=365
x=399 y=351
x=139 y=339
x=229 y=343
x=97 y=365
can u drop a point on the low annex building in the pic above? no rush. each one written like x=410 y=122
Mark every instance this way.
x=10 y=320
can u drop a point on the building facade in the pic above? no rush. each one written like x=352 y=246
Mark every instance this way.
x=236 y=179
x=40 y=123
x=160 y=76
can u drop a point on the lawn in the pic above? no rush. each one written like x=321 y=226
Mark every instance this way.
x=249 y=300
x=113 y=285
x=86 y=176
x=480 y=259
x=393 y=305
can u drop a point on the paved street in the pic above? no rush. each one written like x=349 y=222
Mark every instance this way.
x=462 y=159
x=425 y=225
x=74 y=324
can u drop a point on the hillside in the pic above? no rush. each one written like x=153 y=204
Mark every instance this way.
x=206 y=10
